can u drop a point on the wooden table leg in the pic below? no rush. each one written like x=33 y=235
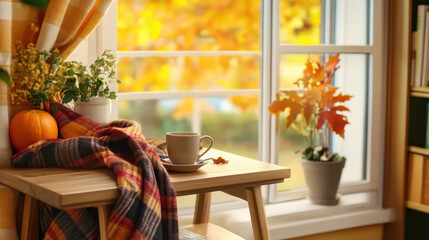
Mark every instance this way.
x=30 y=220
x=202 y=208
x=103 y=219
x=257 y=213
x=7 y=213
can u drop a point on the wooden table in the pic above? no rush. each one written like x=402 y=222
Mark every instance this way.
x=66 y=188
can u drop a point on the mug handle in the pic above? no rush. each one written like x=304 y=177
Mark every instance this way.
x=211 y=144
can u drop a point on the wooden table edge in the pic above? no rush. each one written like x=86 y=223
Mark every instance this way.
x=181 y=187
x=222 y=182
x=53 y=198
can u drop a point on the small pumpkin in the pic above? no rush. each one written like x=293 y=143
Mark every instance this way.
x=30 y=126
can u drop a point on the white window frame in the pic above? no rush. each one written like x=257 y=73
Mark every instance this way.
x=376 y=49
x=270 y=64
x=361 y=200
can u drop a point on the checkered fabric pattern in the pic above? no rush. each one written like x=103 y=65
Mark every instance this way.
x=146 y=207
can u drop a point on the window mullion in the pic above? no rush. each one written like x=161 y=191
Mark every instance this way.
x=106 y=39
x=185 y=53
x=332 y=21
x=323 y=19
x=273 y=23
x=182 y=94
x=322 y=49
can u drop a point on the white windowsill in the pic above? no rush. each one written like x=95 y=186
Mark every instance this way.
x=301 y=218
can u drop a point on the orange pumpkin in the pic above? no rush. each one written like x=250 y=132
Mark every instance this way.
x=30 y=126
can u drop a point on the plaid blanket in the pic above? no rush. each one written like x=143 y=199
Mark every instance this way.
x=146 y=207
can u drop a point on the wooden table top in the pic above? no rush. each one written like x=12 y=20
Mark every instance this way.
x=74 y=188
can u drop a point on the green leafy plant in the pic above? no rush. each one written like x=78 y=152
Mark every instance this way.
x=313 y=106
x=84 y=82
x=41 y=4
x=4 y=76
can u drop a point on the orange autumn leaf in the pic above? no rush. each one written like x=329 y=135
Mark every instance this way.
x=319 y=74
x=317 y=103
x=336 y=122
x=308 y=108
x=308 y=71
x=331 y=64
x=280 y=104
x=329 y=109
x=307 y=74
x=330 y=67
x=295 y=109
x=314 y=76
x=327 y=94
x=220 y=160
x=342 y=98
x=315 y=106
x=293 y=95
x=329 y=99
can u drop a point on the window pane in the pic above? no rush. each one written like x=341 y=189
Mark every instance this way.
x=154 y=116
x=289 y=142
x=312 y=22
x=351 y=77
x=188 y=73
x=188 y=25
x=351 y=23
x=291 y=67
x=300 y=22
x=233 y=124
x=231 y=121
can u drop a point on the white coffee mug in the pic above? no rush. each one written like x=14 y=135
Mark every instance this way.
x=184 y=147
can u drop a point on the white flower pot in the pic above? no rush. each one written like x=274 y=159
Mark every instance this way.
x=98 y=109
x=323 y=179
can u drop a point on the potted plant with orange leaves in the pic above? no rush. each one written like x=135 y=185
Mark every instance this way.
x=316 y=108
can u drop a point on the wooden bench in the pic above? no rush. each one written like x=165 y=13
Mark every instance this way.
x=66 y=188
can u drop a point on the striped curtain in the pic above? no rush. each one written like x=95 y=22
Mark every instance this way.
x=63 y=25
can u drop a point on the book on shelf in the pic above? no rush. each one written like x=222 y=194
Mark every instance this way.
x=413 y=58
x=418 y=178
x=425 y=63
x=415 y=177
x=419 y=81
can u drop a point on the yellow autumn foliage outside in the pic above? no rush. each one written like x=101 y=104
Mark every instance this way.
x=206 y=25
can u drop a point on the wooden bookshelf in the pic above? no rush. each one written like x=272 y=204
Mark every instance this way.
x=418 y=206
x=419 y=150
x=420 y=92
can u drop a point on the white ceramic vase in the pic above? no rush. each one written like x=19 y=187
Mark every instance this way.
x=323 y=179
x=98 y=109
